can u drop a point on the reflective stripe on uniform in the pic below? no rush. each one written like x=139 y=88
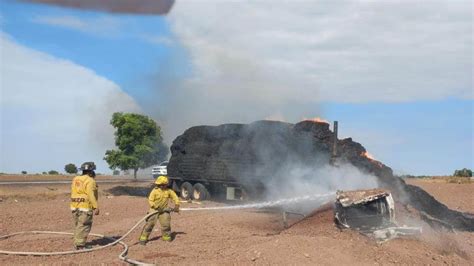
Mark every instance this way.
x=78 y=200
x=81 y=209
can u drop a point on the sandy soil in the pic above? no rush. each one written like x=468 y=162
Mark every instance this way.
x=228 y=237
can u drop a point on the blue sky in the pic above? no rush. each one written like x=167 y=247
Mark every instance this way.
x=405 y=93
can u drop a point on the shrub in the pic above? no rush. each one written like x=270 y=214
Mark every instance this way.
x=53 y=172
x=24 y=172
x=116 y=172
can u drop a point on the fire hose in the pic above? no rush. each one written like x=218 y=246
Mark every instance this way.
x=122 y=255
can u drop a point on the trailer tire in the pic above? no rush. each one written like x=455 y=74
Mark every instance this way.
x=186 y=190
x=200 y=192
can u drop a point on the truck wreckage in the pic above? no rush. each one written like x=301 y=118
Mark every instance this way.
x=371 y=212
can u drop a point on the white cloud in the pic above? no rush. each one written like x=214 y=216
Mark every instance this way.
x=99 y=25
x=273 y=52
x=53 y=111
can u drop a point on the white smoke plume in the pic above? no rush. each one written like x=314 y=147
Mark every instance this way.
x=258 y=59
x=293 y=163
x=305 y=180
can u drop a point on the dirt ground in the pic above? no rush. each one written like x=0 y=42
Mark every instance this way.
x=237 y=237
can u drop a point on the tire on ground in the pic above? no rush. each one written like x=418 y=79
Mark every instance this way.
x=200 y=192
x=186 y=190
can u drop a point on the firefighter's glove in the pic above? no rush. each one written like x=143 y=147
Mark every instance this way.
x=176 y=208
x=96 y=212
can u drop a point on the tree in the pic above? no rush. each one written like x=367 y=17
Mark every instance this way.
x=24 y=172
x=53 y=172
x=463 y=173
x=70 y=168
x=139 y=142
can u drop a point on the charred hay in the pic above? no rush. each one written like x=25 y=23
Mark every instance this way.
x=130 y=191
x=241 y=152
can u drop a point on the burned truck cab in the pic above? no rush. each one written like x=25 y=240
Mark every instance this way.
x=372 y=213
x=365 y=209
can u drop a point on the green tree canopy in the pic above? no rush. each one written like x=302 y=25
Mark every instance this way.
x=138 y=140
x=70 y=168
x=463 y=173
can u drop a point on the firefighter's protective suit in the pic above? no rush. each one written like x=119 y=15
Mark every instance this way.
x=158 y=201
x=84 y=196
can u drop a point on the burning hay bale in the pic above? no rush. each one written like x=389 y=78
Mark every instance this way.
x=266 y=156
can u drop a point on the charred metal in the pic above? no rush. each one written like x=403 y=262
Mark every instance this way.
x=372 y=212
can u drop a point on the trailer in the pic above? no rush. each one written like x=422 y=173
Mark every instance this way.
x=201 y=179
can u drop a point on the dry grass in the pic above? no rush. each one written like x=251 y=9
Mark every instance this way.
x=458 y=180
x=445 y=179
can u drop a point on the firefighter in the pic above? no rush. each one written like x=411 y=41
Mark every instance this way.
x=84 y=196
x=158 y=200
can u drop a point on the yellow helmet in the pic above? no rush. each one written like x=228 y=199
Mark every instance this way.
x=161 y=180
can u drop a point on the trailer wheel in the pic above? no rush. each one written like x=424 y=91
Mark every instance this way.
x=186 y=190
x=200 y=192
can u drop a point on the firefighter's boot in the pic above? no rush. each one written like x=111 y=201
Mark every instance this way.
x=143 y=240
x=166 y=237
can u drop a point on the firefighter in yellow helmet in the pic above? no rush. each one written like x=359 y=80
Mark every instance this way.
x=158 y=200
x=84 y=196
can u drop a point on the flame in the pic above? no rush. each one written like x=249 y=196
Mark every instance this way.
x=316 y=120
x=368 y=155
